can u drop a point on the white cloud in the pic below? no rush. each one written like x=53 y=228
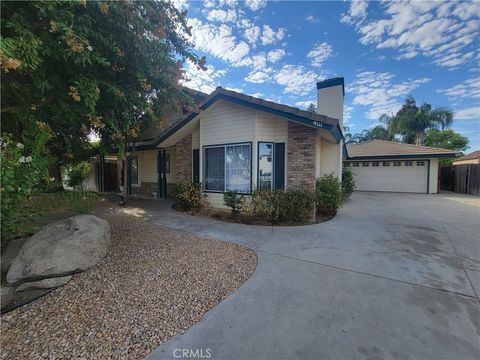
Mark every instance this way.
x=275 y=55
x=269 y=36
x=311 y=18
x=257 y=94
x=180 y=4
x=320 y=53
x=304 y=104
x=444 y=31
x=218 y=41
x=222 y=15
x=201 y=80
x=356 y=14
x=259 y=61
x=239 y=90
x=259 y=76
x=468 y=113
x=218 y=3
x=347 y=113
x=470 y=88
x=296 y=80
x=380 y=93
x=255 y=5
x=251 y=34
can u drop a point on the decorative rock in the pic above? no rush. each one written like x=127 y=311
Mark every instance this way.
x=45 y=283
x=11 y=252
x=65 y=247
x=6 y=295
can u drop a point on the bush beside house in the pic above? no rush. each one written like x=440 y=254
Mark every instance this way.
x=277 y=206
x=189 y=197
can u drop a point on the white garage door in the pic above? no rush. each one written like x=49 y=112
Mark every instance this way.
x=395 y=176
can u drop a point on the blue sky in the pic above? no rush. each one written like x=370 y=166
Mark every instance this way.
x=278 y=50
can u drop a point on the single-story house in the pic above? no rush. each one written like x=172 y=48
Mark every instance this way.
x=240 y=143
x=472 y=158
x=390 y=166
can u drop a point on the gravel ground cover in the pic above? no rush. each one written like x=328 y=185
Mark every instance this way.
x=153 y=283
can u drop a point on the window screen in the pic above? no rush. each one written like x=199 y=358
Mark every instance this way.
x=228 y=168
x=215 y=169
x=237 y=168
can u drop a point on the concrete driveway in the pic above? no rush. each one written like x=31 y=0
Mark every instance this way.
x=392 y=276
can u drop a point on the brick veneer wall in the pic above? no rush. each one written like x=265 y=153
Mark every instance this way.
x=302 y=156
x=183 y=162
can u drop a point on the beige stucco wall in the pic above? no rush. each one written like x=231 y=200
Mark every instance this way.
x=330 y=102
x=147 y=166
x=433 y=182
x=330 y=158
x=466 y=162
x=224 y=123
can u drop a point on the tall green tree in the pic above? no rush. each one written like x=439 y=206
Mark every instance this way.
x=411 y=121
x=312 y=108
x=378 y=132
x=112 y=68
x=446 y=139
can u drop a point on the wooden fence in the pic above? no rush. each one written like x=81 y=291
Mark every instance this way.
x=467 y=179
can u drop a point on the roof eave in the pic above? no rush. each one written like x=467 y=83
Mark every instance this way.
x=403 y=156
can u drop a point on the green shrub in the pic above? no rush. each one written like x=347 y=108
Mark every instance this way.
x=348 y=183
x=297 y=205
x=233 y=200
x=328 y=194
x=280 y=205
x=189 y=197
x=77 y=173
x=24 y=168
x=265 y=204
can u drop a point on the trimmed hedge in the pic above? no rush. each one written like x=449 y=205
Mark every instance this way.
x=235 y=201
x=189 y=197
x=280 y=205
x=348 y=183
x=328 y=194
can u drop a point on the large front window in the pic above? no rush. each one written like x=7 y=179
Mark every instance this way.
x=228 y=168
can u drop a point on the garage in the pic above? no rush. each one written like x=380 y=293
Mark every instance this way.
x=395 y=167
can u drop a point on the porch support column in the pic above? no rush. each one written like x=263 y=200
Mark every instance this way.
x=162 y=174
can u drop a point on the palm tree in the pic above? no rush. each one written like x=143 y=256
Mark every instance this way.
x=378 y=132
x=412 y=121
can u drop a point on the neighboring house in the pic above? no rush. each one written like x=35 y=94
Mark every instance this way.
x=472 y=158
x=381 y=165
x=466 y=174
x=240 y=143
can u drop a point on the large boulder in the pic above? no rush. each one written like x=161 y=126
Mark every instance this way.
x=6 y=295
x=11 y=252
x=65 y=247
x=47 y=283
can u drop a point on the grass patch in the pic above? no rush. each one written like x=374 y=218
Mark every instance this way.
x=42 y=209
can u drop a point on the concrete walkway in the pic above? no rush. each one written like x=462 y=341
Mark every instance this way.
x=392 y=276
